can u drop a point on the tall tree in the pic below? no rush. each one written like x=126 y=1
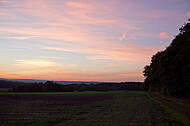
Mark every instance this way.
x=169 y=70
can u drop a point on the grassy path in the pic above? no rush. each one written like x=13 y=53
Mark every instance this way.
x=179 y=110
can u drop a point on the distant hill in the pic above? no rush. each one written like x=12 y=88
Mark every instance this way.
x=24 y=80
x=10 y=84
x=67 y=86
x=58 y=82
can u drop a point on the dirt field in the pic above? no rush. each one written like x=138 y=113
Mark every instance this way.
x=51 y=100
x=130 y=108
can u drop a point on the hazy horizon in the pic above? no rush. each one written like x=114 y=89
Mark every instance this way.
x=36 y=80
x=85 y=40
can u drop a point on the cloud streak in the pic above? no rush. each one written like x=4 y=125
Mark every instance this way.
x=34 y=63
x=123 y=37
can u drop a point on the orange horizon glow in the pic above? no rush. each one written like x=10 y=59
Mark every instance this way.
x=85 y=40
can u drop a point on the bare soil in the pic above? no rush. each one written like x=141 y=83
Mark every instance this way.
x=51 y=100
x=21 y=108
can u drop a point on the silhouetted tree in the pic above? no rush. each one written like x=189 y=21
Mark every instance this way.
x=169 y=70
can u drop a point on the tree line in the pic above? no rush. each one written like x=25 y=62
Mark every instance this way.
x=169 y=70
x=10 y=84
x=50 y=86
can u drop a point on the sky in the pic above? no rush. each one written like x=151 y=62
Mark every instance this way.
x=85 y=40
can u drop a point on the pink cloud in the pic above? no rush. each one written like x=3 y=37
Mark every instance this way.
x=164 y=35
x=188 y=14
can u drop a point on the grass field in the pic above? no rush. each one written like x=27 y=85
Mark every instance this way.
x=4 y=89
x=83 y=108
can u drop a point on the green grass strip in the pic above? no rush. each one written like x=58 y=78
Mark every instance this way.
x=179 y=116
x=4 y=89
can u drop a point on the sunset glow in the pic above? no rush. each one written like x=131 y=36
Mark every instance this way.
x=85 y=40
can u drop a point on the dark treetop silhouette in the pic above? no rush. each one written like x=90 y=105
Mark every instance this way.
x=169 y=70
